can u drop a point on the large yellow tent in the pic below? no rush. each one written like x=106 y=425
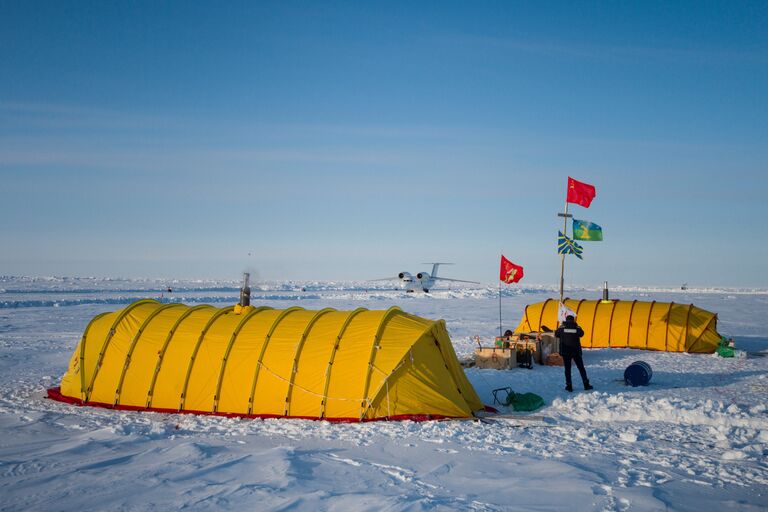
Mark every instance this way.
x=261 y=362
x=632 y=324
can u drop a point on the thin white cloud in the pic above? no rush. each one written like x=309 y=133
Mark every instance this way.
x=34 y=152
x=629 y=53
x=63 y=116
x=372 y=130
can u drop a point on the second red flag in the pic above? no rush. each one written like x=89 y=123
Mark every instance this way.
x=509 y=272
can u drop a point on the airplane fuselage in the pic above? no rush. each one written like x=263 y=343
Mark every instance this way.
x=422 y=281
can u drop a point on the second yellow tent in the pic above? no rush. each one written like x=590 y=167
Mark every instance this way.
x=653 y=325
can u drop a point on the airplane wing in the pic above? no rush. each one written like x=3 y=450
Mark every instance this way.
x=384 y=279
x=455 y=280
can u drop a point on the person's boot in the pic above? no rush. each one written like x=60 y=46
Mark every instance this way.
x=587 y=386
x=568 y=388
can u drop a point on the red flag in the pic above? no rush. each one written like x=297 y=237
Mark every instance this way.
x=580 y=193
x=510 y=273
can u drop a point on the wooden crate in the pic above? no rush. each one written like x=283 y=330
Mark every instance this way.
x=495 y=358
x=547 y=345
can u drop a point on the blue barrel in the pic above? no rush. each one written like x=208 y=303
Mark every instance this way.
x=638 y=373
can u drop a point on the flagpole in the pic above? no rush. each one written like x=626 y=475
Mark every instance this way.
x=500 y=308
x=562 y=256
x=502 y=255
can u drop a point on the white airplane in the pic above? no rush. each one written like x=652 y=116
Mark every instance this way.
x=422 y=280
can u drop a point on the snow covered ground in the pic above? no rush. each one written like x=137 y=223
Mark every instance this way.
x=695 y=439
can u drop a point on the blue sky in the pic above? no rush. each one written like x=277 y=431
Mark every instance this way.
x=353 y=140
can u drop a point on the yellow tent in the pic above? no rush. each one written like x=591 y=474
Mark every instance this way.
x=632 y=324
x=263 y=362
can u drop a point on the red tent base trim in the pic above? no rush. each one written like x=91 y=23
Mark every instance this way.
x=55 y=394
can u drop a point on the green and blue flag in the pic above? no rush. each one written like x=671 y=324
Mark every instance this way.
x=589 y=231
x=567 y=246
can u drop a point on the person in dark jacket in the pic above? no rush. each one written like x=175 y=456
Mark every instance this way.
x=570 y=348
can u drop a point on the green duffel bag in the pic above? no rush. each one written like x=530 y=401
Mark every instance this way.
x=724 y=349
x=525 y=401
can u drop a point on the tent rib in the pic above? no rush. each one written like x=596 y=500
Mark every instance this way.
x=401 y=364
x=592 y=329
x=701 y=334
x=578 y=307
x=246 y=318
x=193 y=356
x=331 y=358
x=687 y=320
x=629 y=323
x=161 y=353
x=108 y=339
x=648 y=325
x=541 y=315
x=297 y=353
x=134 y=342
x=610 y=322
x=82 y=353
x=666 y=334
x=275 y=323
x=388 y=313
x=527 y=320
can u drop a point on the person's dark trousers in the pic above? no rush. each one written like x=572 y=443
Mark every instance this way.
x=579 y=364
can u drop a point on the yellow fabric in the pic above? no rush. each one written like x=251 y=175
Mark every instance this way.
x=663 y=326
x=260 y=361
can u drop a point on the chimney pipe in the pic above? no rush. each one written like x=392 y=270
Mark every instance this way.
x=605 y=291
x=245 y=291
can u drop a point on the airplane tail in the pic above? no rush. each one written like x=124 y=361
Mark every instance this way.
x=435 y=266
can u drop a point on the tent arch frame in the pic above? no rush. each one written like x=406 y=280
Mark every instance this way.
x=332 y=357
x=164 y=348
x=271 y=331
x=297 y=353
x=134 y=342
x=246 y=318
x=193 y=356
x=374 y=346
x=108 y=339
x=81 y=364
